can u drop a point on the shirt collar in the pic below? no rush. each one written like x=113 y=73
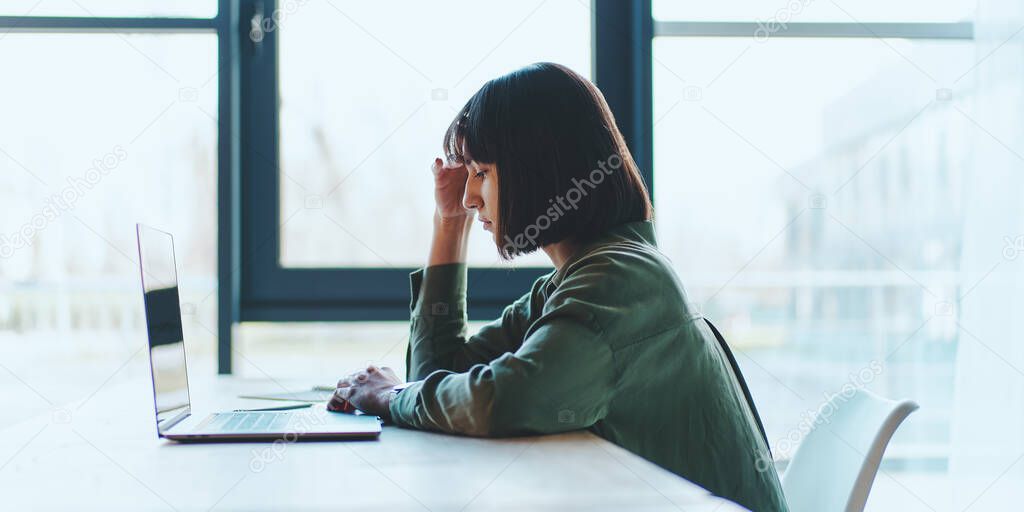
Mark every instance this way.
x=638 y=232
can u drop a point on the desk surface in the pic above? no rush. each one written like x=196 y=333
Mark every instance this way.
x=103 y=453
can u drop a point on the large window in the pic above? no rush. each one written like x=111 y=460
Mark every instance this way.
x=809 y=162
x=104 y=125
x=110 y=8
x=344 y=110
x=285 y=143
x=359 y=129
x=808 y=165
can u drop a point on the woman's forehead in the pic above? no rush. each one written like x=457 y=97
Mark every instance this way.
x=464 y=155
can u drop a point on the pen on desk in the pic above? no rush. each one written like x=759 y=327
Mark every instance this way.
x=282 y=408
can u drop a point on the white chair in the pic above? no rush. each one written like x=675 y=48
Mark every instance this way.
x=835 y=464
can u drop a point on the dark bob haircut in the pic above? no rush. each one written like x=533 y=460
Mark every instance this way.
x=564 y=170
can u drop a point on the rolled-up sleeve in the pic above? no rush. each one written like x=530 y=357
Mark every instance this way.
x=558 y=378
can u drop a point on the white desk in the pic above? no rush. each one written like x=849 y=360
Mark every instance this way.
x=103 y=454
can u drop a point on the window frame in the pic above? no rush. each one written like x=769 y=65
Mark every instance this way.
x=621 y=37
x=252 y=285
x=228 y=144
x=883 y=30
x=928 y=31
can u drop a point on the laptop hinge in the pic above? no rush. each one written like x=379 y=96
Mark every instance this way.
x=171 y=422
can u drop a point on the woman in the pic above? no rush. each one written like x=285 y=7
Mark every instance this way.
x=606 y=342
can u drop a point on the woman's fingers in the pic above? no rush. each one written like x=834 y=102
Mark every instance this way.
x=363 y=388
x=442 y=167
x=356 y=378
x=339 y=399
x=347 y=386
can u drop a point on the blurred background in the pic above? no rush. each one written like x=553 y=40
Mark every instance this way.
x=842 y=203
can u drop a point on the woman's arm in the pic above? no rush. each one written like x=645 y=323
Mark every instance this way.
x=451 y=236
x=437 y=329
x=560 y=378
x=437 y=338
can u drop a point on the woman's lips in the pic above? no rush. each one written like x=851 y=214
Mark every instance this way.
x=487 y=224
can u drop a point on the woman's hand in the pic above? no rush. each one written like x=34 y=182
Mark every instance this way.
x=451 y=220
x=449 y=187
x=368 y=390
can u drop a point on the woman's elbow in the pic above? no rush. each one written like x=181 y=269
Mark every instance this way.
x=512 y=417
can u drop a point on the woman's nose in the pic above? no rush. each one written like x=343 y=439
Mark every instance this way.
x=470 y=199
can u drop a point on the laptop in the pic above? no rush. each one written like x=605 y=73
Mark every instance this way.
x=171 y=395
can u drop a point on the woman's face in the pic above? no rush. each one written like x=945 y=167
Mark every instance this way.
x=482 y=194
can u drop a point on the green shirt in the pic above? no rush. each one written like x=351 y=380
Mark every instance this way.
x=607 y=343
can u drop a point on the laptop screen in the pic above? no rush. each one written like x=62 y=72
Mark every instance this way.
x=163 y=326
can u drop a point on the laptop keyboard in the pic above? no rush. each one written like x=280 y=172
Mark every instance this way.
x=249 y=422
